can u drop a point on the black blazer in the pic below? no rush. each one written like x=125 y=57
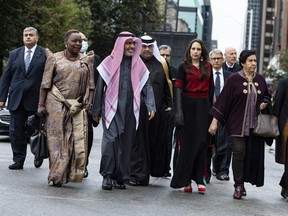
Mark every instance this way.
x=235 y=68
x=19 y=84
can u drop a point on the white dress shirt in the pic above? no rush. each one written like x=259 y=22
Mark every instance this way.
x=221 y=77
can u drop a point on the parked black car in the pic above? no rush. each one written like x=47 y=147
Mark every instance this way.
x=4 y=122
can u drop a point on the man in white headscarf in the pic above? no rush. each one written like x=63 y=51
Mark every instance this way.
x=149 y=153
x=123 y=77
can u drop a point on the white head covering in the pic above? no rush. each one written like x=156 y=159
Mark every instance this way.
x=109 y=70
x=148 y=40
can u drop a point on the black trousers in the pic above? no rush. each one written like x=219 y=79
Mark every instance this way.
x=222 y=159
x=239 y=152
x=17 y=133
x=284 y=180
x=170 y=130
x=90 y=138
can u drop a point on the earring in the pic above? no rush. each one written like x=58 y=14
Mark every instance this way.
x=201 y=59
x=65 y=45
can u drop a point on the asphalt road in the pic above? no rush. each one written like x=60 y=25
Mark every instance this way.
x=26 y=192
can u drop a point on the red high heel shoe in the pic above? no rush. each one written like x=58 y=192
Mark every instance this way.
x=201 y=189
x=188 y=189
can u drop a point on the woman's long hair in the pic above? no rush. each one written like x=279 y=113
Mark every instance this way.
x=202 y=61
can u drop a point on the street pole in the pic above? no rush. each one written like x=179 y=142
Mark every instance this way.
x=250 y=28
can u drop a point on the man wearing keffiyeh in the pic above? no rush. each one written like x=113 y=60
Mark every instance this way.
x=123 y=77
x=149 y=152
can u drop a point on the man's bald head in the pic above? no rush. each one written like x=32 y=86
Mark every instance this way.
x=230 y=55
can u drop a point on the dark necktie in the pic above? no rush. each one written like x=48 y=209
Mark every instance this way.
x=27 y=59
x=217 y=84
x=230 y=69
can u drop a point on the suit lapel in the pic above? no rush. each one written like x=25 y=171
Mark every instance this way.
x=21 y=58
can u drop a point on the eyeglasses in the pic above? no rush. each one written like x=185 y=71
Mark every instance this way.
x=165 y=55
x=216 y=59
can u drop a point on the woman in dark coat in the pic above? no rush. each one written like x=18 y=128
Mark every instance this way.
x=281 y=111
x=243 y=96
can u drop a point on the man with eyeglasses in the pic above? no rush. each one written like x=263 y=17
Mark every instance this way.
x=221 y=161
x=165 y=52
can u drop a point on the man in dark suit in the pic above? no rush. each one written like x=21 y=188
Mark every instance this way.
x=21 y=79
x=221 y=161
x=230 y=63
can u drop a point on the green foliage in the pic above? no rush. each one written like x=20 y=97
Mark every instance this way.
x=100 y=20
x=284 y=62
x=112 y=17
x=276 y=74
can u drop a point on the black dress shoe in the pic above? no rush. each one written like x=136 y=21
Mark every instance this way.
x=223 y=177
x=238 y=192
x=119 y=185
x=38 y=162
x=284 y=193
x=16 y=166
x=166 y=175
x=134 y=182
x=86 y=173
x=57 y=184
x=107 y=183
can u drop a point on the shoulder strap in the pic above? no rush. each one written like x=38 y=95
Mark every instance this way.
x=166 y=71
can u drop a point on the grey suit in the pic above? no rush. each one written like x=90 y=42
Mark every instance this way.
x=22 y=90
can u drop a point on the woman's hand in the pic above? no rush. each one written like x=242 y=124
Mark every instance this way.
x=88 y=107
x=41 y=111
x=263 y=106
x=213 y=127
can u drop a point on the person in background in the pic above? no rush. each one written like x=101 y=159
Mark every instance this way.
x=244 y=94
x=20 y=83
x=193 y=100
x=66 y=96
x=149 y=151
x=230 y=64
x=91 y=123
x=281 y=151
x=221 y=161
x=123 y=78
x=165 y=52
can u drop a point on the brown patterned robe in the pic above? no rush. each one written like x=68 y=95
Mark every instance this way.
x=73 y=79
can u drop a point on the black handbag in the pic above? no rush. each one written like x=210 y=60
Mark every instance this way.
x=267 y=126
x=38 y=142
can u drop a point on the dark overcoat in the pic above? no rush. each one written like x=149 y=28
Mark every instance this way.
x=281 y=110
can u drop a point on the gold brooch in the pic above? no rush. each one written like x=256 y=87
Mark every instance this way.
x=245 y=91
